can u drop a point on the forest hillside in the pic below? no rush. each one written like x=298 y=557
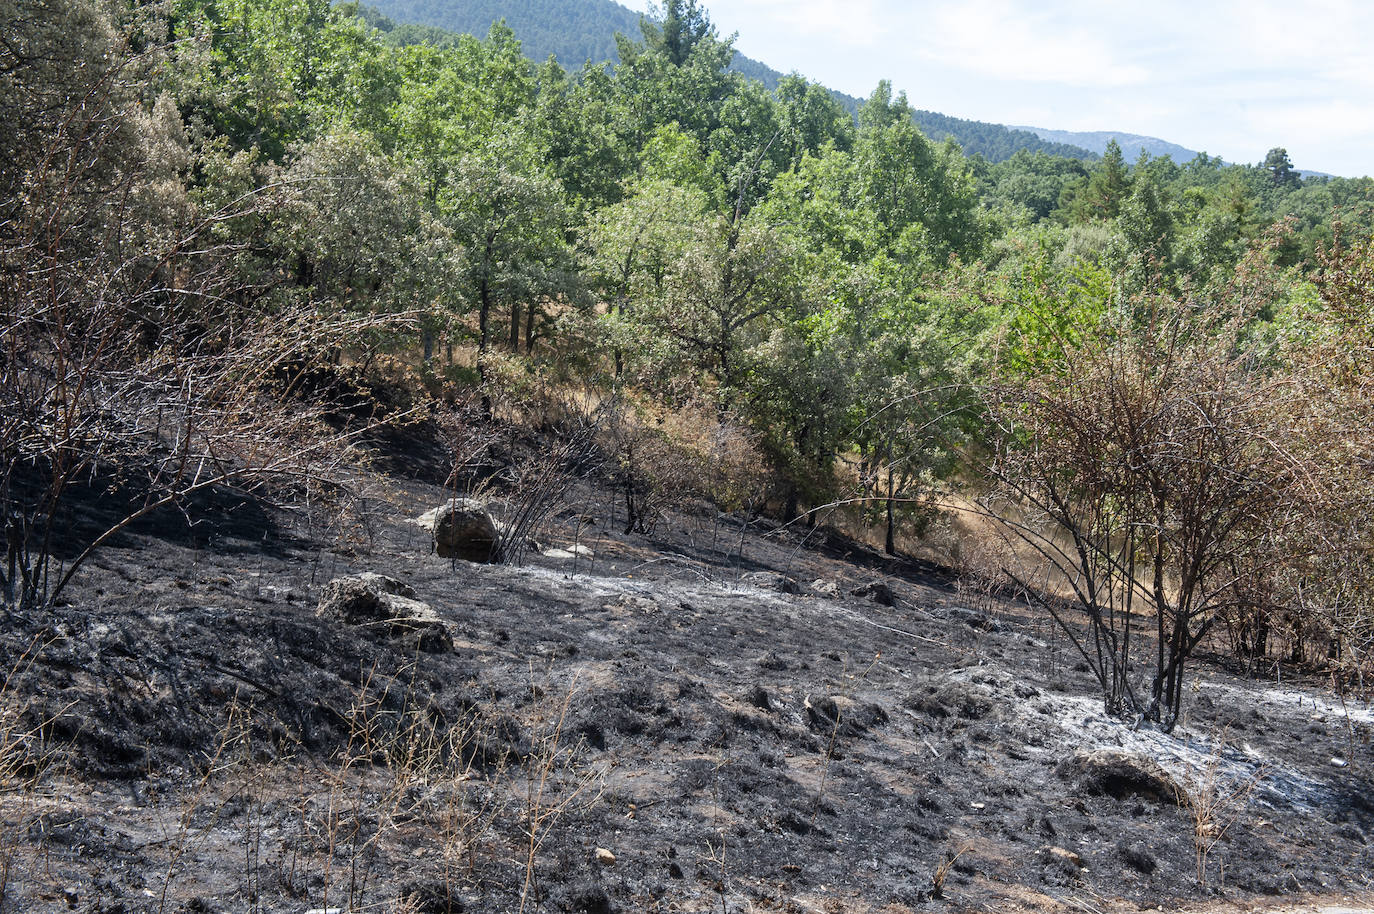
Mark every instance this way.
x=435 y=480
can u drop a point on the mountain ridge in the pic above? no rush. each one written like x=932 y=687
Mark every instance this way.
x=1131 y=143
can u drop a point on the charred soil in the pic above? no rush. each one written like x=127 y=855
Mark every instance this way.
x=643 y=723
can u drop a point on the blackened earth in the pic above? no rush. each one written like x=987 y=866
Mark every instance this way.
x=653 y=727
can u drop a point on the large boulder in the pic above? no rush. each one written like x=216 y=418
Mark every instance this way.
x=388 y=605
x=464 y=529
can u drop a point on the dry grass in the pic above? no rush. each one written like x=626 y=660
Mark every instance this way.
x=1215 y=803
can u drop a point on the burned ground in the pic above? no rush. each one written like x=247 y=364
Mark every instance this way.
x=653 y=727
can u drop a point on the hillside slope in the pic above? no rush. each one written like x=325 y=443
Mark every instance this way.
x=657 y=724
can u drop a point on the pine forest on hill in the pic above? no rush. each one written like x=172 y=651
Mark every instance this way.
x=262 y=253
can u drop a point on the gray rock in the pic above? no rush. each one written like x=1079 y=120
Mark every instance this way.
x=823 y=588
x=973 y=618
x=464 y=529
x=389 y=604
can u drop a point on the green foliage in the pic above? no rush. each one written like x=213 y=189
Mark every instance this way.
x=1101 y=194
x=510 y=222
x=1032 y=181
x=278 y=71
x=454 y=100
x=1050 y=310
x=921 y=195
x=825 y=275
x=357 y=233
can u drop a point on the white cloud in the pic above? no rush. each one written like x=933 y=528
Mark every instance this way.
x=855 y=23
x=1234 y=77
x=1000 y=39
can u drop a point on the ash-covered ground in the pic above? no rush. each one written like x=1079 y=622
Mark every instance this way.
x=640 y=724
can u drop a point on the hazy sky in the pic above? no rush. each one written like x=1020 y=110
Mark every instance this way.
x=1230 y=78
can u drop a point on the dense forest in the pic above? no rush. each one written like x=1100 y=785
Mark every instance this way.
x=993 y=141
x=574 y=31
x=217 y=214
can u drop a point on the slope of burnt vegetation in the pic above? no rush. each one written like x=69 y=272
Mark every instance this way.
x=728 y=714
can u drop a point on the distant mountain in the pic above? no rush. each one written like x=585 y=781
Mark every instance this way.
x=995 y=142
x=1131 y=143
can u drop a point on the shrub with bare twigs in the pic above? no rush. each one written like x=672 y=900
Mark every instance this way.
x=139 y=360
x=1145 y=467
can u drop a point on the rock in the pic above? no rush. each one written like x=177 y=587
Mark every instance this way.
x=572 y=552
x=463 y=528
x=375 y=599
x=770 y=580
x=837 y=714
x=877 y=591
x=506 y=533
x=823 y=588
x=605 y=857
x=1119 y=774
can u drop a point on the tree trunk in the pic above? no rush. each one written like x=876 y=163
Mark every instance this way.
x=483 y=344
x=890 y=541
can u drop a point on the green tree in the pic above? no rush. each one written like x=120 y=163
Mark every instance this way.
x=811 y=118
x=357 y=233
x=659 y=82
x=455 y=100
x=684 y=26
x=629 y=248
x=1144 y=246
x=1100 y=196
x=279 y=71
x=1280 y=168
x=510 y=220
x=921 y=195
x=573 y=123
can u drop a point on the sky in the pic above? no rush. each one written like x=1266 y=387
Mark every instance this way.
x=1230 y=78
